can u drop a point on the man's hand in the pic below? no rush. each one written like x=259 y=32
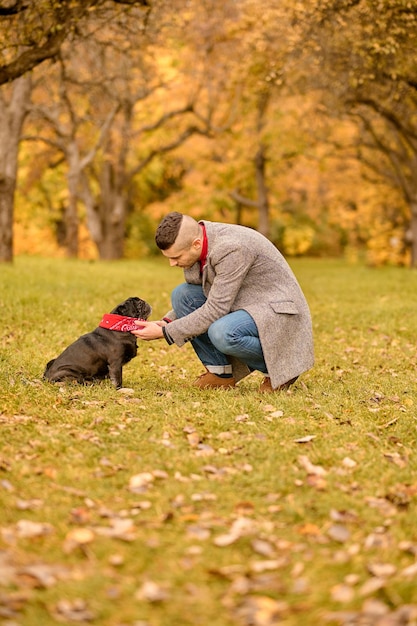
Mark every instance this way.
x=149 y=330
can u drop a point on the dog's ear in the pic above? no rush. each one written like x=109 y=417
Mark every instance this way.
x=126 y=308
x=133 y=307
x=49 y=364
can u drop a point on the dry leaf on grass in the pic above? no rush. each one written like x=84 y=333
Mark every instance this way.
x=305 y=439
x=77 y=538
x=374 y=613
x=120 y=528
x=310 y=468
x=241 y=527
x=42 y=575
x=28 y=505
x=11 y=604
x=26 y=529
x=339 y=533
x=261 y=611
x=264 y=548
x=274 y=415
x=381 y=570
x=152 y=592
x=140 y=483
x=73 y=611
x=371 y=586
x=342 y=593
x=193 y=439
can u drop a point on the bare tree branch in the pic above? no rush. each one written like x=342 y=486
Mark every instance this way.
x=64 y=19
x=192 y=130
x=14 y=9
x=102 y=136
x=237 y=197
x=164 y=118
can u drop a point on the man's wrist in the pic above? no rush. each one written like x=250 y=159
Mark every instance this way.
x=166 y=335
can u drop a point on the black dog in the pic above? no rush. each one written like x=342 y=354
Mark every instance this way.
x=103 y=352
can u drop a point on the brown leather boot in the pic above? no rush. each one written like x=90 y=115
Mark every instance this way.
x=266 y=386
x=208 y=380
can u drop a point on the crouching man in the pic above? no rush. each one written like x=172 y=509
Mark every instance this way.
x=241 y=306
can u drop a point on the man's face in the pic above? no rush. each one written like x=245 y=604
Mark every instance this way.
x=184 y=257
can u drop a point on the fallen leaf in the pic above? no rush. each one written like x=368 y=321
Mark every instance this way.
x=193 y=439
x=268 y=407
x=263 y=547
x=371 y=586
x=342 y=593
x=343 y=516
x=221 y=541
x=198 y=532
x=410 y=571
x=397 y=459
x=273 y=415
x=42 y=575
x=151 y=592
x=385 y=507
x=77 y=538
x=120 y=528
x=318 y=482
x=261 y=611
x=310 y=468
x=339 y=533
x=11 y=604
x=242 y=526
x=268 y=565
x=305 y=439
x=28 y=505
x=28 y=530
x=73 y=610
x=381 y=570
x=140 y=482
x=204 y=449
x=309 y=529
x=242 y=418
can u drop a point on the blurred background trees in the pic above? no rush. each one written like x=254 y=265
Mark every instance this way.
x=295 y=118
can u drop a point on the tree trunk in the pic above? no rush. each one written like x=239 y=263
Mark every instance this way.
x=263 y=202
x=7 y=189
x=106 y=215
x=13 y=110
x=413 y=235
x=113 y=219
x=71 y=213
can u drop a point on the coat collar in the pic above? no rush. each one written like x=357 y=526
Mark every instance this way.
x=204 y=249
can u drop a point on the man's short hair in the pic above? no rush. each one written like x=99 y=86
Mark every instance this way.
x=168 y=230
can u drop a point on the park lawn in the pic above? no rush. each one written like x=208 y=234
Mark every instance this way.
x=161 y=505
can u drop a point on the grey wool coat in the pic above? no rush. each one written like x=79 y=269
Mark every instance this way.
x=244 y=270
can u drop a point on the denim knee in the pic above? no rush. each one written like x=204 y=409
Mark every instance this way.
x=186 y=298
x=219 y=336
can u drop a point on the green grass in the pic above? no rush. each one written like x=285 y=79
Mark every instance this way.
x=241 y=523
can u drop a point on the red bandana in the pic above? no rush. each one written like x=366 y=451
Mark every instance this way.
x=123 y=324
x=204 y=249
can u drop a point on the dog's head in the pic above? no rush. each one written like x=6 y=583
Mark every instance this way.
x=133 y=307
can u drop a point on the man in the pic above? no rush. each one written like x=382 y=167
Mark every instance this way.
x=241 y=306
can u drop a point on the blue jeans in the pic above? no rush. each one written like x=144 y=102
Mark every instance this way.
x=235 y=334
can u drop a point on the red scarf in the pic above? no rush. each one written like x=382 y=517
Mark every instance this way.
x=204 y=249
x=123 y=324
